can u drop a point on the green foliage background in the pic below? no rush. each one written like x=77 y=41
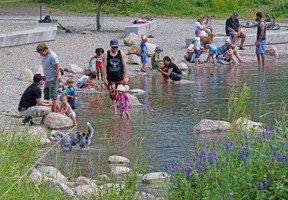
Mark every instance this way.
x=179 y=8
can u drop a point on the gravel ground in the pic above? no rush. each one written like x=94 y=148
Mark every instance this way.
x=77 y=48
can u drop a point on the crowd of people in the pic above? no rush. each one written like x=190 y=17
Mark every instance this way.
x=111 y=68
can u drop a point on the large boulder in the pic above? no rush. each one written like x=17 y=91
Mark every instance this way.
x=211 y=125
x=75 y=69
x=38 y=133
x=248 y=125
x=61 y=187
x=134 y=49
x=26 y=75
x=271 y=50
x=53 y=173
x=136 y=91
x=132 y=39
x=86 y=190
x=57 y=121
x=134 y=100
x=119 y=170
x=182 y=66
x=133 y=59
x=37 y=111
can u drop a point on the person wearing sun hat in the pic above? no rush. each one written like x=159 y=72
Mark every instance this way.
x=233 y=29
x=32 y=97
x=123 y=100
x=155 y=58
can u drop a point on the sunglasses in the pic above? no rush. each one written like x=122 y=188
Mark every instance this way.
x=114 y=47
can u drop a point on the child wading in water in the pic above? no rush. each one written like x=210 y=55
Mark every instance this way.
x=66 y=109
x=70 y=91
x=123 y=100
x=99 y=62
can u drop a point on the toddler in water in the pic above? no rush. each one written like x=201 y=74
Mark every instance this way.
x=71 y=93
x=212 y=51
x=123 y=101
x=66 y=109
x=99 y=62
x=197 y=46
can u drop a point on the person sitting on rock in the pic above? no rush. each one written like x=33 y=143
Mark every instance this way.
x=230 y=51
x=66 y=109
x=32 y=97
x=170 y=70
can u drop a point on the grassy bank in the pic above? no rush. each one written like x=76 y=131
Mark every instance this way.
x=185 y=8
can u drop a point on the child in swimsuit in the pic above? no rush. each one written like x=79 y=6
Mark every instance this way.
x=123 y=101
x=66 y=109
x=99 y=62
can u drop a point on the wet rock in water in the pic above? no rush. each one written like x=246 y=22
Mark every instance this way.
x=182 y=81
x=206 y=125
x=57 y=121
x=72 y=68
x=155 y=177
x=182 y=66
x=137 y=91
x=134 y=100
x=271 y=50
x=26 y=75
x=37 y=111
x=248 y=125
x=119 y=170
x=118 y=159
x=133 y=59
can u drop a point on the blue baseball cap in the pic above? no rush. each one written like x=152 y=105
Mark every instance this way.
x=235 y=14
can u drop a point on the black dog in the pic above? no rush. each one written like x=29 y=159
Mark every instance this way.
x=71 y=139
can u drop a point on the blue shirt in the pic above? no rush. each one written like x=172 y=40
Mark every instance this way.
x=143 y=47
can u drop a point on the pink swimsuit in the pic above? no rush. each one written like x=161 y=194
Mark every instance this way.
x=123 y=100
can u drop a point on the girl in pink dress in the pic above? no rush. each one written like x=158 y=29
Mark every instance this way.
x=123 y=101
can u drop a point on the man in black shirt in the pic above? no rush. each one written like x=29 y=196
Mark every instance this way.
x=233 y=29
x=32 y=97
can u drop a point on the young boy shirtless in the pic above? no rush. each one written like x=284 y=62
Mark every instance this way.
x=66 y=109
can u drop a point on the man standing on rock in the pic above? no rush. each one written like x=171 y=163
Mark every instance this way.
x=51 y=71
x=114 y=68
x=261 y=38
x=32 y=97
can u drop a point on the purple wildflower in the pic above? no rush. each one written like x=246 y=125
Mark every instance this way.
x=261 y=186
x=202 y=168
x=220 y=138
x=246 y=137
x=230 y=143
x=244 y=158
x=188 y=172
x=265 y=181
x=286 y=158
x=146 y=192
x=220 y=197
x=282 y=145
x=277 y=129
x=255 y=137
x=216 y=139
x=279 y=157
x=264 y=133
x=274 y=151
x=197 y=163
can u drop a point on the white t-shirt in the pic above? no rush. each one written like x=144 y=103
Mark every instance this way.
x=190 y=47
x=202 y=32
x=197 y=43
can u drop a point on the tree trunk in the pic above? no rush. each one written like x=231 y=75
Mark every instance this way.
x=98 y=16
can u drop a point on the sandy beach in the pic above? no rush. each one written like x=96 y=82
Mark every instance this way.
x=77 y=48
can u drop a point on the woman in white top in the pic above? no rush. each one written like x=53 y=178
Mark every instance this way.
x=198 y=26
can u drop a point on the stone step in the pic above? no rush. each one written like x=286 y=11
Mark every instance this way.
x=141 y=29
x=271 y=38
x=41 y=33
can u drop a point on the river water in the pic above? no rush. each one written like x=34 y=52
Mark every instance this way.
x=160 y=132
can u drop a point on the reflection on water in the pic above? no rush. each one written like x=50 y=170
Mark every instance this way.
x=169 y=114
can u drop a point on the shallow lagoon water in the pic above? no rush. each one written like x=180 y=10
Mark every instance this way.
x=161 y=130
